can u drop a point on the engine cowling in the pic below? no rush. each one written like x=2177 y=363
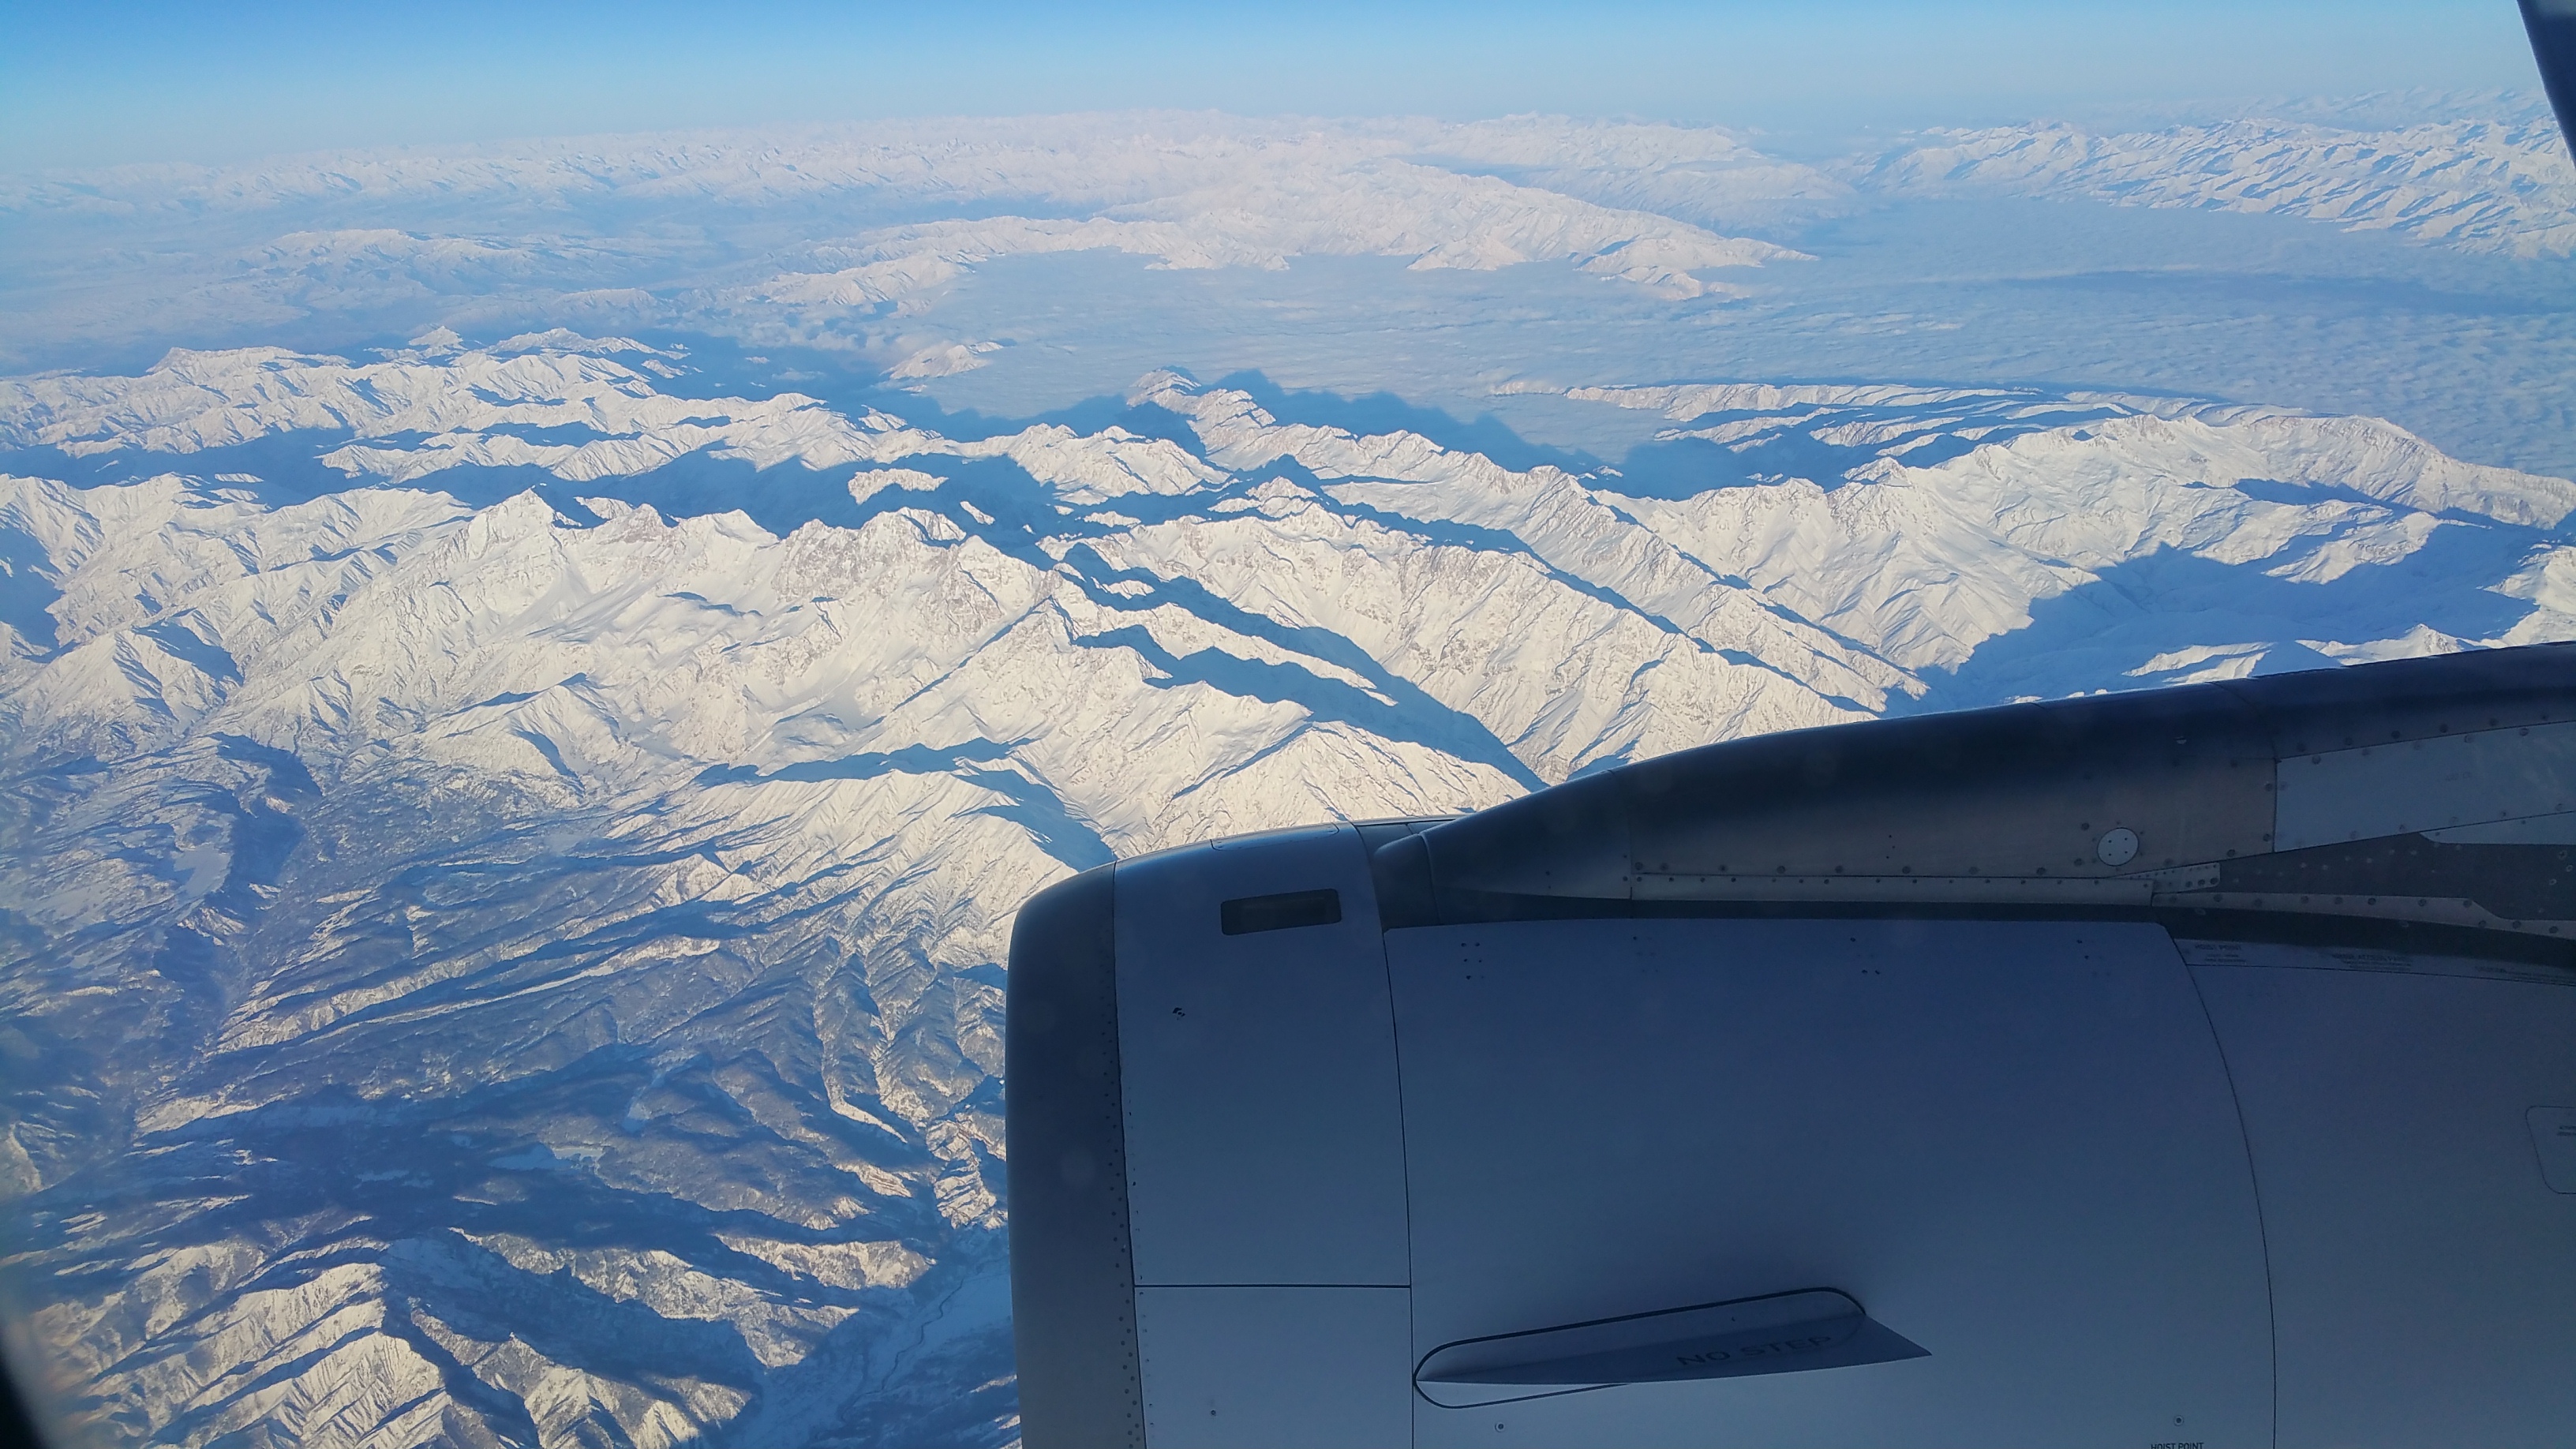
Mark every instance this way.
x=2162 y=1067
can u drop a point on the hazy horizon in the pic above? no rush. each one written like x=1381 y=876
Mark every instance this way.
x=148 y=83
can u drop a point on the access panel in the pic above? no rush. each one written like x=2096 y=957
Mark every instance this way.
x=2011 y=1147
x=1257 y=1053
x=1274 y=1368
x=2423 y=1262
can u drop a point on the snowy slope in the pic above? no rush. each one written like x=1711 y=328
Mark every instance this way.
x=511 y=846
x=1930 y=524
x=2479 y=185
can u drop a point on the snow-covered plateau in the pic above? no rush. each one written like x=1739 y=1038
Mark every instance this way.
x=534 y=679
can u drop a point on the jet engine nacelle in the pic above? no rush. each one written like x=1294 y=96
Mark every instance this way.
x=2186 y=1067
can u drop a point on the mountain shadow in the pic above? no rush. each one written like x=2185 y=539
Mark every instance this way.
x=2171 y=601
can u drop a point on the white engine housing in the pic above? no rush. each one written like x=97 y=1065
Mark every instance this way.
x=1392 y=1122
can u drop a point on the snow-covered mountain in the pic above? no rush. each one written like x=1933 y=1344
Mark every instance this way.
x=832 y=237
x=510 y=847
x=819 y=236
x=2477 y=184
x=509 y=843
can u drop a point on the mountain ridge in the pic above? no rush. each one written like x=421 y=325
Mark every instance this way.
x=504 y=938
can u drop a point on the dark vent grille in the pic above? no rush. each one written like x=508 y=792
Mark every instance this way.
x=1248 y=914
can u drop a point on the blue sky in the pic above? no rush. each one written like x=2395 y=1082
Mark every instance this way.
x=93 y=84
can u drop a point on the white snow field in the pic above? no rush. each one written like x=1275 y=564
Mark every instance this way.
x=534 y=680
x=2484 y=184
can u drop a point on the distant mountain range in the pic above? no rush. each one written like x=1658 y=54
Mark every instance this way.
x=833 y=237
x=2478 y=185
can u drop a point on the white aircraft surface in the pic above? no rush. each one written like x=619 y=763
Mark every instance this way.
x=2193 y=1066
